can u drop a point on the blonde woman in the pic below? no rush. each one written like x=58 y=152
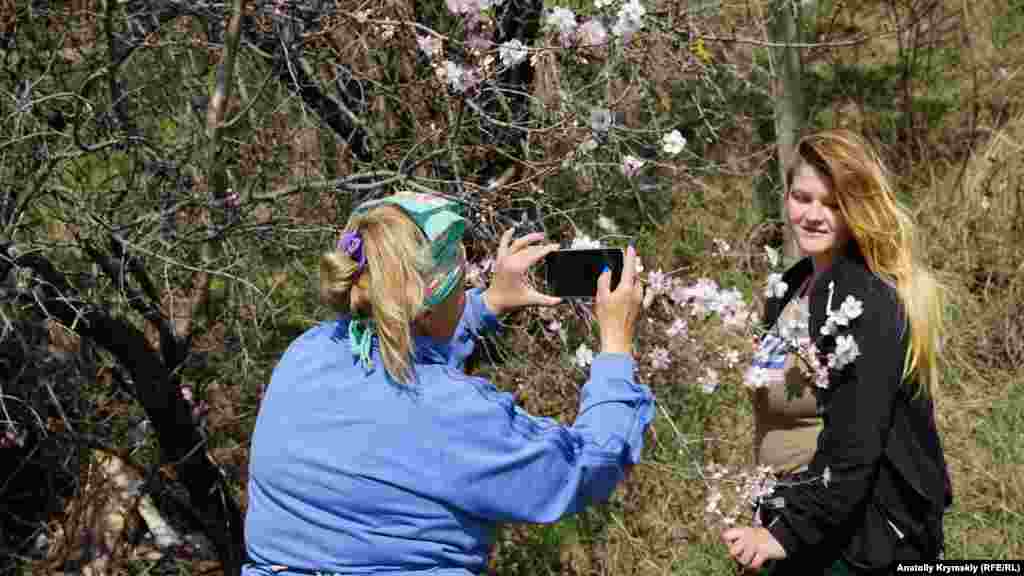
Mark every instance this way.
x=374 y=453
x=876 y=487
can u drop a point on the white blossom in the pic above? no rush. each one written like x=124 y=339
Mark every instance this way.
x=709 y=381
x=631 y=18
x=756 y=377
x=603 y=3
x=775 y=287
x=851 y=308
x=584 y=356
x=564 y=20
x=455 y=76
x=846 y=352
x=673 y=143
x=772 y=255
x=601 y=119
x=592 y=33
x=726 y=302
x=584 y=241
x=512 y=53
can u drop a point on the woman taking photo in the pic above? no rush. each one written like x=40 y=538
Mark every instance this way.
x=374 y=453
x=876 y=487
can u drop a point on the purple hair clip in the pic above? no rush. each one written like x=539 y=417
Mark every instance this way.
x=352 y=244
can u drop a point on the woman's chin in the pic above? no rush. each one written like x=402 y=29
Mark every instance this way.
x=814 y=246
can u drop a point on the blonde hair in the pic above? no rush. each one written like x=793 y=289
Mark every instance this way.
x=390 y=289
x=885 y=235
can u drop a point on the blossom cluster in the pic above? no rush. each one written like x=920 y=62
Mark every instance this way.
x=794 y=336
x=749 y=487
x=461 y=77
x=629 y=20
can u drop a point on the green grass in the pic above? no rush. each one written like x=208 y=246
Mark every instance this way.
x=1001 y=431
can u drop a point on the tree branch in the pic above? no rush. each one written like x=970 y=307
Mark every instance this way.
x=162 y=402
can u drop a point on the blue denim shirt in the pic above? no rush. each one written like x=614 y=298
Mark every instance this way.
x=352 y=473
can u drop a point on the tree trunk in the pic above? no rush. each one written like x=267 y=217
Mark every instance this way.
x=784 y=28
x=181 y=443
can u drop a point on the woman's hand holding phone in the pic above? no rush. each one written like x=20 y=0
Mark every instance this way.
x=509 y=289
x=618 y=311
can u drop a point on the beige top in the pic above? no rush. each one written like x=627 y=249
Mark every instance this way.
x=786 y=429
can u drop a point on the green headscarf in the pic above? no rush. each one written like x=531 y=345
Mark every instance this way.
x=443 y=225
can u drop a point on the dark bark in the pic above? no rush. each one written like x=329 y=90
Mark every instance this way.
x=337 y=114
x=146 y=17
x=516 y=20
x=180 y=441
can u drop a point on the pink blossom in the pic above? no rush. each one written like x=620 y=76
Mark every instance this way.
x=631 y=165
x=660 y=359
x=657 y=281
x=564 y=20
x=592 y=33
x=430 y=45
x=463 y=6
x=678 y=328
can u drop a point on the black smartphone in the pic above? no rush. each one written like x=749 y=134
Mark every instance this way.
x=573 y=273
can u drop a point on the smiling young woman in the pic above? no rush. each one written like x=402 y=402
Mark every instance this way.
x=813 y=213
x=873 y=486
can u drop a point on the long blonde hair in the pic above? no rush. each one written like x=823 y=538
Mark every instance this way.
x=391 y=288
x=885 y=234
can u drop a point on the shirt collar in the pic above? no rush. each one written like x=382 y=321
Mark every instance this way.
x=426 y=350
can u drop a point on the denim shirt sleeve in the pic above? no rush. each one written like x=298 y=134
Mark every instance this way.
x=477 y=321
x=514 y=467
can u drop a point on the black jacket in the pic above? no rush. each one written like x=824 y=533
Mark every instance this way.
x=879 y=443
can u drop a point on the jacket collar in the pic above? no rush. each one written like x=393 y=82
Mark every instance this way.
x=795 y=276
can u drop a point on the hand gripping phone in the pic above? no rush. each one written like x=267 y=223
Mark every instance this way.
x=573 y=273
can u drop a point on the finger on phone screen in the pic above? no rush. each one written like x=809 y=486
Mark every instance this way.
x=503 y=244
x=628 y=267
x=603 y=281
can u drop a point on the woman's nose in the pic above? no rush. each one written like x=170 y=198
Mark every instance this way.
x=815 y=212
